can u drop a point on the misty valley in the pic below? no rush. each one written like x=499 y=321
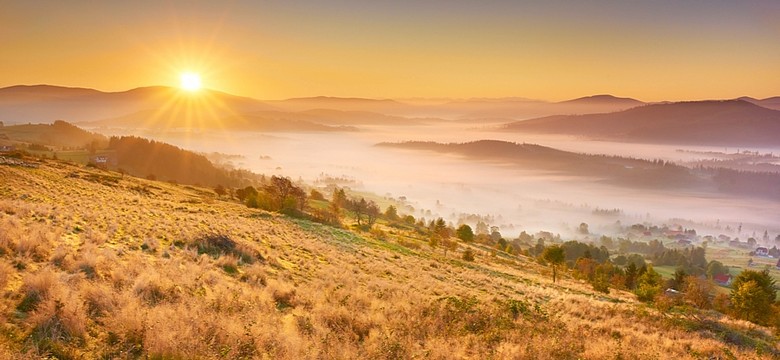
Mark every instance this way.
x=266 y=196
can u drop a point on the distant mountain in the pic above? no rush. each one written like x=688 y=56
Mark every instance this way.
x=604 y=100
x=627 y=172
x=769 y=103
x=489 y=110
x=46 y=103
x=730 y=122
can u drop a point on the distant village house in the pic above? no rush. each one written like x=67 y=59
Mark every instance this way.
x=761 y=251
x=723 y=280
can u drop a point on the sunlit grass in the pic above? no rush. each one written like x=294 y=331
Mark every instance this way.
x=101 y=270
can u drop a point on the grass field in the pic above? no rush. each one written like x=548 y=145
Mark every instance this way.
x=96 y=265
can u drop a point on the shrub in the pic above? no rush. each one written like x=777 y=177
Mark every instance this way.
x=216 y=245
x=36 y=287
x=468 y=255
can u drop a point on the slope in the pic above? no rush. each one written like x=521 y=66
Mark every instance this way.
x=102 y=266
x=732 y=122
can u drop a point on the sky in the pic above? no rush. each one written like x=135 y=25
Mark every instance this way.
x=550 y=50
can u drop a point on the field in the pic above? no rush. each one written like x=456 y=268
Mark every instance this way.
x=94 y=264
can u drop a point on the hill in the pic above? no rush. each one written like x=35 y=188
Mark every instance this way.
x=136 y=156
x=95 y=265
x=627 y=172
x=731 y=122
x=490 y=110
x=148 y=158
x=769 y=103
x=58 y=134
x=47 y=103
x=604 y=100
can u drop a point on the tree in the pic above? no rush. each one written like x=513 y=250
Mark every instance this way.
x=242 y=194
x=555 y=256
x=697 y=292
x=583 y=229
x=220 y=190
x=715 y=268
x=631 y=274
x=359 y=208
x=391 y=213
x=482 y=228
x=316 y=195
x=440 y=228
x=372 y=212
x=648 y=284
x=464 y=233
x=339 y=198
x=752 y=295
x=585 y=268
x=678 y=280
x=284 y=194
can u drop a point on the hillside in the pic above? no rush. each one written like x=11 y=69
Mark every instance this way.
x=627 y=172
x=148 y=158
x=732 y=122
x=60 y=134
x=95 y=265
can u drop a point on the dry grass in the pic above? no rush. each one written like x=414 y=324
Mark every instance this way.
x=103 y=271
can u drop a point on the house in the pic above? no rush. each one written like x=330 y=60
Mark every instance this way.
x=723 y=280
x=761 y=251
x=7 y=148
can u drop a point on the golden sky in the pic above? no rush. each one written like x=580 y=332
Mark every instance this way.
x=660 y=50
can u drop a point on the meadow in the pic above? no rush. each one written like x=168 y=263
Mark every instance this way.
x=94 y=264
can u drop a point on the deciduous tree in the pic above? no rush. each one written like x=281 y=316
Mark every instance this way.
x=554 y=255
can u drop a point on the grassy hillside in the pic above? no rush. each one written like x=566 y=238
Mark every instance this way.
x=59 y=134
x=95 y=265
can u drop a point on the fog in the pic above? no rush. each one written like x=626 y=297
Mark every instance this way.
x=518 y=199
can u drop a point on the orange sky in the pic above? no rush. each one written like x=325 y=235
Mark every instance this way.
x=555 y=51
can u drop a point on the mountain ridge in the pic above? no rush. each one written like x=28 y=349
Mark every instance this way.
x=715 y=122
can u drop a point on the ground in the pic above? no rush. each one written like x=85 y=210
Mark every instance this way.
x=94 y=264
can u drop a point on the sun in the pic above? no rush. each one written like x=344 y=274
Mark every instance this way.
x=190 y=81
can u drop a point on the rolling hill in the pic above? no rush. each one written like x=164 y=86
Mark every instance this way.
x=730 y=122
x=46 y=103
x=94 y=265
x=58 y=134
x=490 y=110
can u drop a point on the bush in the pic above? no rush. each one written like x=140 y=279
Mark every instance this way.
x=216 y=245
x=468 y=255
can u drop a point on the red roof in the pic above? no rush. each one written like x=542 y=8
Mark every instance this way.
x=722 y=278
